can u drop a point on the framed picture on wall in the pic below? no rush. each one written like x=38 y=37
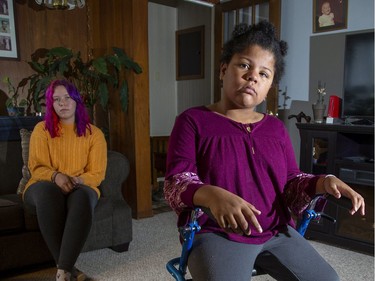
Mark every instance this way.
x=190 y=53
x=329 y=15
x=8 y=36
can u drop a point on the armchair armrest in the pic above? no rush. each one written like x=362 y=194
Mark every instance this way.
x=117 y=172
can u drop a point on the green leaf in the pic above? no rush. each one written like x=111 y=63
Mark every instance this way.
x=100 y=65
x=103 y=94
x=9 y=102
x=6 y=79
x=120 y=53
x=37 y=107
x=60 y=52
x=37 y=66
x=136 y=68
x=115 y=61
x=129 y=64
x=93 y=78
x=23 y=102
x=23 y=82
x=124 y=96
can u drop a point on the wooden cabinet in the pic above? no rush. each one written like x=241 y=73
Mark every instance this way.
x=346 y=151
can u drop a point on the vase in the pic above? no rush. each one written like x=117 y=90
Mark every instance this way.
x=16 y=111
x=318 y=112
x=283 y=115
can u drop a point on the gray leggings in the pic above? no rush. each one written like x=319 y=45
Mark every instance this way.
x=64 y=219
x=286 y=256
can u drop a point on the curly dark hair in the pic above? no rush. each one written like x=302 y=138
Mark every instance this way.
x=262 y=34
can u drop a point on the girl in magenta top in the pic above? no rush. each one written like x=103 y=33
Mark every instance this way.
x=240 y=164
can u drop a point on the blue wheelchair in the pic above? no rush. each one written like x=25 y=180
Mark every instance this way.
x=177 y=267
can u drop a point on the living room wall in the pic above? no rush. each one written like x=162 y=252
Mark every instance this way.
x=169 y=97
x=162 y=24
x=196 y=91
x=37 y=28
x=297 y=30
x=100 y=26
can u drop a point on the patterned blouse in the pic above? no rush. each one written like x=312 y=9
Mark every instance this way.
x=255 y=161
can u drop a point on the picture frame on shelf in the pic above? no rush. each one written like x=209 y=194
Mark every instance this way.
x=8 y=34
x=329 y=15
x=190 y=53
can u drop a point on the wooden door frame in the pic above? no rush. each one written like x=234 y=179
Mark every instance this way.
x=124 y=24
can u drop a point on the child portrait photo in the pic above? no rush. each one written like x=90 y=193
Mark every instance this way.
x=329 y=15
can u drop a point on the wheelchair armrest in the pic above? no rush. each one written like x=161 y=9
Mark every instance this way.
x=343 y=202
x=207 y=211
x=315 y=210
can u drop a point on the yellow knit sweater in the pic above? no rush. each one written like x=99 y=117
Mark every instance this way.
x=69 y=154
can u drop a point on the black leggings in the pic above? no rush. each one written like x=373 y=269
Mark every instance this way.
x=64 y=219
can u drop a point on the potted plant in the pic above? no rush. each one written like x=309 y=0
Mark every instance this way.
x=94 y=78
x=14 y=107
x=319 y=107
x=283 y=113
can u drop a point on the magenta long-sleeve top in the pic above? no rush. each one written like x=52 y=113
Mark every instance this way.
x=255 y=161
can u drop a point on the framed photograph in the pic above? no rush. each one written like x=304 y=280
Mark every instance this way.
x=330 y=15
x=8 y=36
x=190 y=53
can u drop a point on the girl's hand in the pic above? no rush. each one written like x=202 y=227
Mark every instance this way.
x=64 y=182
x=231 y=212
x=338 y=188
x=76 y=181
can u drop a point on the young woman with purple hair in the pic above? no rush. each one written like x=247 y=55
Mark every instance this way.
x=67 y=162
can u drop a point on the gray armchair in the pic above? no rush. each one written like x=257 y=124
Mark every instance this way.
x=115 y=230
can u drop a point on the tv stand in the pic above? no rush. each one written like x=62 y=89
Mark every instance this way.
x=346 y=151
x=365 y=122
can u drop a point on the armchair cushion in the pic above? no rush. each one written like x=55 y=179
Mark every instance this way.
x=118 y=168
x=25 y=143
x=113 y=216
x=11 y=216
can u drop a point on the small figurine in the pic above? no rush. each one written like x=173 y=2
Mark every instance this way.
x=300 y=116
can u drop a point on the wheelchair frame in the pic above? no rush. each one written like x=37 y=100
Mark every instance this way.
x=177 y=267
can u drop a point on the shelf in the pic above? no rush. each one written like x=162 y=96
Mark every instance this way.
x=339 y=145
x=10 y=126
x=368 y=166
x=359 y=129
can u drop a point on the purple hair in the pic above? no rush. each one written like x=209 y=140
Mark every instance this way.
x=82 y=119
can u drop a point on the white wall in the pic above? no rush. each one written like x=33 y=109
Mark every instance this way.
x=197 y=91
x=162 y=23
x=296 y=29
x=169 y=97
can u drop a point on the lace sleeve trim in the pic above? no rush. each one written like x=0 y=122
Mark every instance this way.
x=175 y=186
x=296 y=196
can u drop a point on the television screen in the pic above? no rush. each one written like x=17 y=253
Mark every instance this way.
x=358 y=97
